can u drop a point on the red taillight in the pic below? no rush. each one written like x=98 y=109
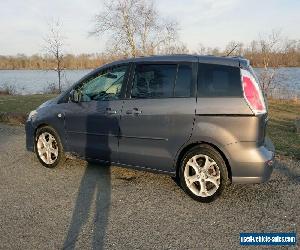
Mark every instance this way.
x=252 y=93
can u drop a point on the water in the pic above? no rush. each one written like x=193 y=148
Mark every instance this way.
x=286 y=82
x=37 y=81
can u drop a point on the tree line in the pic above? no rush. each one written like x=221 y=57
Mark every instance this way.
x=287 y=57
x=48 y=62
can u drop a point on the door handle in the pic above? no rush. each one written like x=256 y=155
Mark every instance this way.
x=109 y=111
x=134 y=111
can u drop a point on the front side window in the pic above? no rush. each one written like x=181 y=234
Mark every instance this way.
x=162 y=81
x=105 y=85
x=219 y=81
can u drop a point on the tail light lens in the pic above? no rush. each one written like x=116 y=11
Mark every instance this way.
x=253 y=93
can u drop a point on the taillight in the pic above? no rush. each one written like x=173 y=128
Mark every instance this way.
x=252 y=93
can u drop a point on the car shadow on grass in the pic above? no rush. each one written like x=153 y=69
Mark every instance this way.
x=290 y=174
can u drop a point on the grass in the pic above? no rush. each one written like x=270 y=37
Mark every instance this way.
x=281 y=126
x=22 y=103
x=14 y=109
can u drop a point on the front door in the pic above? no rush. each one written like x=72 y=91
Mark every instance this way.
x=158 y=117
x=92 y=125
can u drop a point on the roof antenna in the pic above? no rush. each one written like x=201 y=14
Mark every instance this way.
x=235 y=46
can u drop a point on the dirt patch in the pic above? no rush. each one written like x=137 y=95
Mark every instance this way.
x=13 y=117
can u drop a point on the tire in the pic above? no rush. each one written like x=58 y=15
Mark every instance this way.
x=202 y=182
x=48 y=147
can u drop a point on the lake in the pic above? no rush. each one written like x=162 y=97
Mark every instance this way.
x=37 y=81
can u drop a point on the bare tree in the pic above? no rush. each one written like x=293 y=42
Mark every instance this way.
x=268 y=46
x=135 y=27
x=291 y=50
x=203 y=50
x=54 y=47
x=175 y=49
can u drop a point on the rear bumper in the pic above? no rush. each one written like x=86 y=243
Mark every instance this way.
x=249 y=163
x=29 y=130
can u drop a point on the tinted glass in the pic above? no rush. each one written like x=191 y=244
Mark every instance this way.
x=154 y=81
x=219 y=81
x=184 y=81
x=105 y=85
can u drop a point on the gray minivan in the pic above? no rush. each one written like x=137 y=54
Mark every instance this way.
x=199 y=118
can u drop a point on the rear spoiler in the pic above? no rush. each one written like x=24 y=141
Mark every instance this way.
x=244 y=63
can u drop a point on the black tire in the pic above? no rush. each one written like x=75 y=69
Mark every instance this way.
x=213 y=154
x=59 y=160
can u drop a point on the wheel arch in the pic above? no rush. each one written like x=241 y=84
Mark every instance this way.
x=188 y=147
x=40 y=126
x=44 y=124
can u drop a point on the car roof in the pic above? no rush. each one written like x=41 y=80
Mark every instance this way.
x=222 y=60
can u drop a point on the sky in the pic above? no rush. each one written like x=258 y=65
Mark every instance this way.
x=213 y=23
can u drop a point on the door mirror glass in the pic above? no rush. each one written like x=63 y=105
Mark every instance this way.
x=75 y=96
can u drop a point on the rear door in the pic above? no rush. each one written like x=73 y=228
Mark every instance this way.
x=157 y=117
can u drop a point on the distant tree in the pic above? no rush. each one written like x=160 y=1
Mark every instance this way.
x=135 y=27
x=268 y=46
x=290 y=55
x=54 y=47
x=203 y=50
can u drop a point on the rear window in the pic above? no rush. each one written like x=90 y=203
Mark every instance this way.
x=219 y=81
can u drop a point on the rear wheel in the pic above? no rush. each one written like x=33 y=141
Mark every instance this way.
x=48 y=147
x=203 y=173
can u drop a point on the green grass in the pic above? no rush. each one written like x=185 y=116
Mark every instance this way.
x=281 y=126
x=22 y=103
x=282 y=129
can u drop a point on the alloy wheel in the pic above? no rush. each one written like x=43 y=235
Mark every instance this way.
x=202 y=175
x=47 y=148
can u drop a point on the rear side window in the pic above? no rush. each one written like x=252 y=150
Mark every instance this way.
x=219 y=81
x=153 y=81
x=183 y=81
x=162 y=81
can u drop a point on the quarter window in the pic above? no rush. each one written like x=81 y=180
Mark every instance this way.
x=219 y=81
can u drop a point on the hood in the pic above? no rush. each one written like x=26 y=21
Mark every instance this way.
x=48 y=103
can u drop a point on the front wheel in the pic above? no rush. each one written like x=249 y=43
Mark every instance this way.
x=203 y=173
x=48 y=147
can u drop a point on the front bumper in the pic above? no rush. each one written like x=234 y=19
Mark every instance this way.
x=250 y=163
x=30 y=134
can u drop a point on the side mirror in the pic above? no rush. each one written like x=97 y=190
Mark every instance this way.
x=75 y=96
x=111 y=75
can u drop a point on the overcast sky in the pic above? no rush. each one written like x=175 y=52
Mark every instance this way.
x=213 y=23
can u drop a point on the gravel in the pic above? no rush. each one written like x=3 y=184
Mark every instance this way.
x=83 y=205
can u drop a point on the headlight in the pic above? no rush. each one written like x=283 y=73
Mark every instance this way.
x=32 y=114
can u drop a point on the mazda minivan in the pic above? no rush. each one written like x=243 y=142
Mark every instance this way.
x=201 y=119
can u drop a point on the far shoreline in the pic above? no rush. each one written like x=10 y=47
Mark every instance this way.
x=256 y=67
